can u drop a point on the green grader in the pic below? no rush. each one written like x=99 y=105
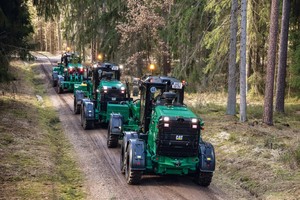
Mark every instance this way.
x=68 y=72
x=168 y=140
x=103 y=96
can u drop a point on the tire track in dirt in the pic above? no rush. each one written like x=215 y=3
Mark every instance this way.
x=101 y=164
x=93 y=140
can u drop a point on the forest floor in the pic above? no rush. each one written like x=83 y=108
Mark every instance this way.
x=264 y=160
x=36 y=160
x=257 y=160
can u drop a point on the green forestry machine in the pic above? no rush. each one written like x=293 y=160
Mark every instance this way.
x=68 y=72
x=169 y=139
x=102 y=97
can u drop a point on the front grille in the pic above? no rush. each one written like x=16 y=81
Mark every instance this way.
x=177 y=140
x=114 y=93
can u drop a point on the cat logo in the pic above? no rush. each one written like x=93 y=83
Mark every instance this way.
x=179 y=137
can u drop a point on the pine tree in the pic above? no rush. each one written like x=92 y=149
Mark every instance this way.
x=280 y=92
x=231 y=100
x=268 y=100
x=243 y=103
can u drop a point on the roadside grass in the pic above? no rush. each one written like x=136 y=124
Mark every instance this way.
x=36 y=158
x=263 y=160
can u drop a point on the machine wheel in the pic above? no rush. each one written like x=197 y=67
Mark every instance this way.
x=132 y=177
x=85 y=123
x=59 y=89
x=204 y=178
x=54 y=83
x=76 y=107
x=81 y=116
x=122 y=160
x=112 y=140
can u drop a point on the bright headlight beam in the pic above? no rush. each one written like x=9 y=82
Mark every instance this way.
x=194 y=120
x=166 y=119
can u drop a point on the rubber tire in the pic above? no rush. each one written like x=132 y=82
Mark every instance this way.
x=204 y=178
x=59 y=90
x=54 y=83
x=81 y=114
x=133 y=177
x=122 y=160
x=112 y=140
x=84 y=123
x=76 y=107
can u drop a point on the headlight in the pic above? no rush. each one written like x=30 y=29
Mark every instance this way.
x=194 y=120
x=105 y=89
x=122 y=90
x=115 y=68
x=177 y=85
x=166 y=119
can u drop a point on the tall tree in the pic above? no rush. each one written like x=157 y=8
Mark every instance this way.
x=15 y=26
x=280 y=92
x=294 y=46
x=231 y=99
x=269 y=88
x=257 y=34
x=243 y=102
x=140 y=37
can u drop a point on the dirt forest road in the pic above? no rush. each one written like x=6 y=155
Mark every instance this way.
x=100 y=165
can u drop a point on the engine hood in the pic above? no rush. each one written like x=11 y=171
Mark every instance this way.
x=174 y=111
x=75 y=65
x=112 y=84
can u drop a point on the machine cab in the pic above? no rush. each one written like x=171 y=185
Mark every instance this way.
x=106 y=79
x=105 y=71
x=155 y=91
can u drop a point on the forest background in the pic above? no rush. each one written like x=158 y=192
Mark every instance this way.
x=195 y=41
x=186 y=39
x=200 y=42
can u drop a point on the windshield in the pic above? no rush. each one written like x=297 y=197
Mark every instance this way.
x=158 y=98
x=107 y=75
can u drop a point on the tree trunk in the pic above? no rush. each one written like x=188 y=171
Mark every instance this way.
x=42 y=42
x=280 y=92
x=268 y=101
x=231 y=100
x=51 y=37
x=243 y=86
x=59 y=34
x=166 y=60
x=93 y=49
x=139 y=65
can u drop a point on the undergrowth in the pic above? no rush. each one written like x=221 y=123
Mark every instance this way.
x=263 y=160
x=36 y=159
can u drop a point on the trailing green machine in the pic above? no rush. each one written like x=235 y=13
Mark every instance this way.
x=169 y=139
x=102 y=97
x=68 y=72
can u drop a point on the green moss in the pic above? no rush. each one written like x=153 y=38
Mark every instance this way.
x=297 y=155
x=233 y=137
x=36 y=163
x=67 y=177
x=5 y=138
